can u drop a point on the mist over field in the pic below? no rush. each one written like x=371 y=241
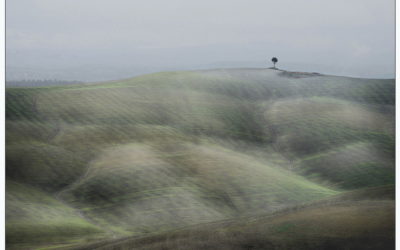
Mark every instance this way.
x=105 y=40
x=154 y=125
x=160 y=152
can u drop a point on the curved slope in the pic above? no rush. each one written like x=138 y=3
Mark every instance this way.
x=217 y=143
x=142 y=189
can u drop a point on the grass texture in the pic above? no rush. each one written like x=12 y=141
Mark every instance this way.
x=164 y=151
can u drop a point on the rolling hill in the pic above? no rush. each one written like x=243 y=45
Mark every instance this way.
x=160 y=152
x=340 y=222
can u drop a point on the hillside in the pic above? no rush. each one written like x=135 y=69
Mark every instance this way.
x=159 y=152
x=341 y=222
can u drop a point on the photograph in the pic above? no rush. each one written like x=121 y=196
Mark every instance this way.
x=199 y=125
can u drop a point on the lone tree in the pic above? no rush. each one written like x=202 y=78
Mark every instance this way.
x=274 y=60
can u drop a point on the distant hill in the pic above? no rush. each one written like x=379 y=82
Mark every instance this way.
x=38 y=83
x=158 y=152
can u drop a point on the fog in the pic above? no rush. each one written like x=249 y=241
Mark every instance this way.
x=103 y=40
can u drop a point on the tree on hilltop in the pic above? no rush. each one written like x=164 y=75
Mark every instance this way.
x=274 y=60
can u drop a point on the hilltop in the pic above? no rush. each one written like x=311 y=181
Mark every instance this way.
x=159 y=152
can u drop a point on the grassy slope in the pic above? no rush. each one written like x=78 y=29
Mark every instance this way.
x=351 y=166
x=34 y=217
x=214 y=144
x=353 y=220
x=132 y=187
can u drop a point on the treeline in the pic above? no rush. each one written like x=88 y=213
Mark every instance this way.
x=38 y=83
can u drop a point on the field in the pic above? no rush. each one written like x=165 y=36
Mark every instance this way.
x=217 y=159
x=342 y=222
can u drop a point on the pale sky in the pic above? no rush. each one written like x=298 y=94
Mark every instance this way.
x=346 y=34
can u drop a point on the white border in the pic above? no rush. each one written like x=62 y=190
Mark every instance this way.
x=397 y=9
x=2 y=124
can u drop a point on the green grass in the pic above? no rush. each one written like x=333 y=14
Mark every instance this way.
x=33 y=216
x=309 y=126
x=353 y=220
x=350 y=167
x=173 y=149
x=47 y=166
x=134 y=184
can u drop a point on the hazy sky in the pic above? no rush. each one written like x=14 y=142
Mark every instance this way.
x=340 y=33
